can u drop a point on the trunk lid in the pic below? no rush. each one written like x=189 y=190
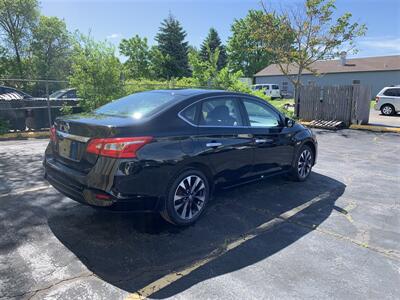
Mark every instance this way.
x=74 y=132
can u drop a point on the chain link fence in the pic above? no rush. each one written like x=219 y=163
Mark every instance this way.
x=33 y=104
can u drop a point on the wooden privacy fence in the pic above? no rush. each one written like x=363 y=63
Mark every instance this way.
x=32 y=113
x=349 y=104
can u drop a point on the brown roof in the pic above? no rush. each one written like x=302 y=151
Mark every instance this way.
x=367 y=64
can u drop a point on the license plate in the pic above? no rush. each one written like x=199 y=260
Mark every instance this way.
x=68 y=149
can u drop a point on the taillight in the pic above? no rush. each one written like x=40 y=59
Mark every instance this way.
x=53 y=135
x=117 y=147
x=376 y=99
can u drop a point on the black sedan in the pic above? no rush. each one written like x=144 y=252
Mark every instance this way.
x=167 y=150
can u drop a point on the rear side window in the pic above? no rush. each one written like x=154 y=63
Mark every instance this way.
x=275 y=87
x=189 y=114
x=222 y=111
x=139 y=105
x=392 y=92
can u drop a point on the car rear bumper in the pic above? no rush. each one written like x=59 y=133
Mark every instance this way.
x=73 y=184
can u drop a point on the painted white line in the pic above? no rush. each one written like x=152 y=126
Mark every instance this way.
x=26 y=190
x=172 y=277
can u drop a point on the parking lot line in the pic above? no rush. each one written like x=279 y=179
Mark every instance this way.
x=26 y=190
x=174 y=276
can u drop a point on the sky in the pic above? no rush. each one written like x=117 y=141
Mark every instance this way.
x=114 y=20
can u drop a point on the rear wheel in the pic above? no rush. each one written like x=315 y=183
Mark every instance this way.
x=186 y=198
x=387 y=110
x=303 y=165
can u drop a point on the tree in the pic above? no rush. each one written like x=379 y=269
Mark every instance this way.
x=204 y=71
x=246 y=53
x=211 y=43
x=302 y=37
x=17 y=18
x=96 y=72
x=174 y=49
x=138 y=54
x=51 y=50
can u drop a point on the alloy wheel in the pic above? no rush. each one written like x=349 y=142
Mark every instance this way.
x=387 y=110
x=189 y=197
x=304 y=164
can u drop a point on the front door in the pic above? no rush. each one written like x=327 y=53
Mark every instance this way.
x=273 y=146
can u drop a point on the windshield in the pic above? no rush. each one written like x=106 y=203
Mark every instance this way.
x=138 y=105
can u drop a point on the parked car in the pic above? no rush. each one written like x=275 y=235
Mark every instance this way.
x=65 y=94
x=388 y=101
x=9 y=93
x=271 y=90
x=167 y=150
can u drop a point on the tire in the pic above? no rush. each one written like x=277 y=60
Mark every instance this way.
x=303 y=164
x=388 y=110
x=186 y=198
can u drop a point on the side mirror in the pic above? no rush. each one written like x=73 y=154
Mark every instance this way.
x=289 y=122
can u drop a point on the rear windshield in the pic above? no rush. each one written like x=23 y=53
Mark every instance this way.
x=139 y=105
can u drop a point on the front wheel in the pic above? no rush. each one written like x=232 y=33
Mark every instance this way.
x=303 y=164
x=186 y=198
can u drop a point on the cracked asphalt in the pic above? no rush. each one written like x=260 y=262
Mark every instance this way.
x=335 y=236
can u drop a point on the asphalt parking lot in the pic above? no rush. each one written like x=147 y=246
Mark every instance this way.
x=335 y=236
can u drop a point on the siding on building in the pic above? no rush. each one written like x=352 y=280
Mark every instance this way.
x=376 y=80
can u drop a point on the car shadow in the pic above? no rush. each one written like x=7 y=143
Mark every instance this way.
x=131 y=251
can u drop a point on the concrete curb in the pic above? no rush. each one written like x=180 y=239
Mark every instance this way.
x=24 y=135
x=376 y=128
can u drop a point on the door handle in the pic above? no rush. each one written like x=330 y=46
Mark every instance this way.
x=260 y=141
x=213 y=144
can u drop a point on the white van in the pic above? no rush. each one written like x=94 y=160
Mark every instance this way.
x=269 y=89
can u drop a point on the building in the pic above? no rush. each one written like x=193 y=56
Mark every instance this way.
x=375 y=72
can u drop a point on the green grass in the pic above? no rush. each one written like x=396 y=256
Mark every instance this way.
x=372 y=104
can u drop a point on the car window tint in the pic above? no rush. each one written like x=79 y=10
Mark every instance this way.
x=261 y=115
x=220 y=112
x=392 y=92
x=189 y=114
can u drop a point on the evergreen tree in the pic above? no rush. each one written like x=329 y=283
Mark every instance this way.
x=209 y=46
x=172 y=45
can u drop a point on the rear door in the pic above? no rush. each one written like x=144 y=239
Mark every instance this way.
x=274 y=148
x=226 y=144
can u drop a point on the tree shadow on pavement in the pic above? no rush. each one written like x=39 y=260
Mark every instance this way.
x=131 y=251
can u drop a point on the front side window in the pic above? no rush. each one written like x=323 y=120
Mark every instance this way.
x=139 y=105
x=261 y=115
x=222 y=111
x=275 y=87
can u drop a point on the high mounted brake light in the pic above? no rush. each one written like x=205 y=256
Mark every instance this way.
x=117 y=147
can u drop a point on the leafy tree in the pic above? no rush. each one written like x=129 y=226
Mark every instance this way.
x=138 y=53
x=204 y=71
x=174 y=49
x=17 y=18
x=245 y=52
x=211 y=43
x=51 y=51
x=303 y=37
x=96 y=72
